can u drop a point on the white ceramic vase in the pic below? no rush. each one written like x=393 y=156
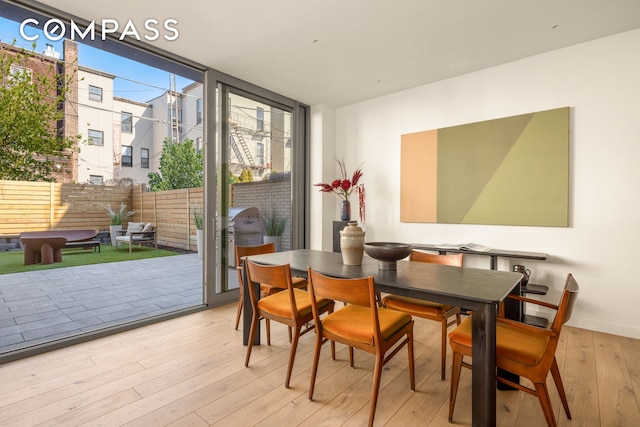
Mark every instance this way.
x=352 y=244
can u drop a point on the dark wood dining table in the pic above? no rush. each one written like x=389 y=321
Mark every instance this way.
x=479 y=290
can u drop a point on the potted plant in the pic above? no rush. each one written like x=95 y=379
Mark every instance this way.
x=343 y=187
x=274 y=229
x=198 y=221
x=116 y=220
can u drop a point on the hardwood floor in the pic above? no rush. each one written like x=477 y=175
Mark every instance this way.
x=190 y=372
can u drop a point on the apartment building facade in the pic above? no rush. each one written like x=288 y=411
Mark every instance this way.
x=121 y=139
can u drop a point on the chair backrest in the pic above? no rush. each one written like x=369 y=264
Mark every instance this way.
x=359 y=291
x=278 y=276
x=243 y=251
x=448 y=259
x=567 y=301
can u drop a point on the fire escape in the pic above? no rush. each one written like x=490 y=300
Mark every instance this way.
x=240 y=147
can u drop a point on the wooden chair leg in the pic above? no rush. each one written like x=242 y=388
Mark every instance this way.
x=292 y=354
x=545 y=403
x=351 y=357
x=252 y=334
x=456 y=368
x=267 y=325
x=375 y=387
x=239 y=313
x=314 y=368
x=555 y=373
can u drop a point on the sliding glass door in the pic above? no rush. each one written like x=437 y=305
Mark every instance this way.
x=259 y=179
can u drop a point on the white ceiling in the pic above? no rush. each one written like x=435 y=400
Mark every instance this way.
x=363 y=48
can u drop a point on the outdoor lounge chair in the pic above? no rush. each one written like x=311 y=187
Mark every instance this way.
x=137 y=233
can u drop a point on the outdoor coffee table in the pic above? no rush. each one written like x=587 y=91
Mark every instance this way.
x=45 y=250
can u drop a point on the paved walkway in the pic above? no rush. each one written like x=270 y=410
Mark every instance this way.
x=41 y=306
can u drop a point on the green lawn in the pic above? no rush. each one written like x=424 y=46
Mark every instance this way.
x=13 y=261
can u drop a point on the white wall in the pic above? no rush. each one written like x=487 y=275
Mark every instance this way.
x=141 y=136
x=323 y=129
x=600 y=81
x=94 y=159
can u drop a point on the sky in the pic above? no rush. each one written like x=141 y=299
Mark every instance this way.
x=134 y=80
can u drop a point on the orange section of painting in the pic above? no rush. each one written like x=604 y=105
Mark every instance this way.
x=419 y=176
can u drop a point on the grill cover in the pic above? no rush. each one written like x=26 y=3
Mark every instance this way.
x=245 y=229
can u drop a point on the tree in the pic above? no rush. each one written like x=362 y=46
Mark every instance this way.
x=246 y=176
x=32 y=148
x=180 y=167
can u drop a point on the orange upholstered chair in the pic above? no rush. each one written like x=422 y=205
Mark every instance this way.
x=360 y=324
x=291 y=307
x=265 y=289
x=525 y=350
x=426 y=309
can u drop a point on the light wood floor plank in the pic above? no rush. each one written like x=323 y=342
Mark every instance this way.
x=618 y=402
x=190 y=371
x=580 y=380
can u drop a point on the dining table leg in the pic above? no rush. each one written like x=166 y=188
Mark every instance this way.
x=483 y=374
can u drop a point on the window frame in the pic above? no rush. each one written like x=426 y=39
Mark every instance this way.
x=91 y=138
x=260 y=153
x=123 y=118
x=123 y=156
x=92 y=179
x=198 y=111
x=16 y=70
x=93 y=93
x=144 y=161
x=260 y=119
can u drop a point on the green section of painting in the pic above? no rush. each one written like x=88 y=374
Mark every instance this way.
x=530 y=187
x=468 y=157
x=510 y=171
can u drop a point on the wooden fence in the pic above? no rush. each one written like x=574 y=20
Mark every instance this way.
x=35 y=206
x=172 y=213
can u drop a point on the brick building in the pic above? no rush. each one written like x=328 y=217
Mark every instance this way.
x=49 y=65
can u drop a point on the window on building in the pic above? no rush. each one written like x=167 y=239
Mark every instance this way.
x=96 y=179
x=96 y=137
x=144 y=158
x=176 y=121
x=95 y=93
x=260 y=153
x=260 y=118
x=127 y=156
x=126 y=124
x=198 y=110
x=199 y=144
x=16 y=71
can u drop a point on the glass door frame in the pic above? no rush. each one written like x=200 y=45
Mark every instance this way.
x=214 y=135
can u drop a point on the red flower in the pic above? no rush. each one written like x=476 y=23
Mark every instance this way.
x=344 y=187
x=356 y=176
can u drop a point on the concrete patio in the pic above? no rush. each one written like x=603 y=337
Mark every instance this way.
x=46 y=305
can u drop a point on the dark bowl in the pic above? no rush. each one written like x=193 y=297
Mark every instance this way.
x=387 y=253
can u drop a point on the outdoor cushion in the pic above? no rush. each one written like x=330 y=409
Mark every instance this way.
x=147 y=227
x=134 y=227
